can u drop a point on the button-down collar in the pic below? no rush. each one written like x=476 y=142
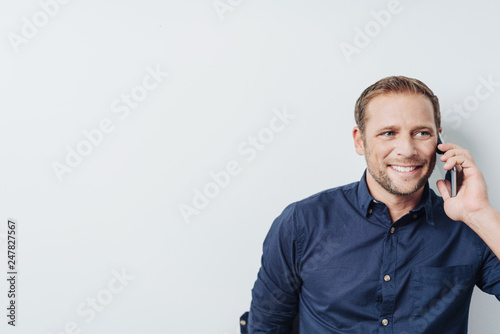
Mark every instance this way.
x=365 y=200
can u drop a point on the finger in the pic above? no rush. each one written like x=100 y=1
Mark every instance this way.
x=460 y=161
x=456 y=152
x=444 y=188
x=448 y=146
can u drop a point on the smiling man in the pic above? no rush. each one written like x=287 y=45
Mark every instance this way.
x=385 y=254
x=397 y=133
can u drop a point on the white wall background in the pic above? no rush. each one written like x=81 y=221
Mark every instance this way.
x=118 y=209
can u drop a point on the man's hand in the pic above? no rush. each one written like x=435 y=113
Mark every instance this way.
x=471 y=205
x=472 y=195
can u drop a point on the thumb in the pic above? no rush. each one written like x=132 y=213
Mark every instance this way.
x=443 y=189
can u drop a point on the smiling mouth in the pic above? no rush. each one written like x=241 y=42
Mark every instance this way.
x=404 y=169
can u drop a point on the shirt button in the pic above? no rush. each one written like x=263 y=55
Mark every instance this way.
x=385 y=322
x=415 y=215
x=392 y=230
x=370 y=211
x=387 y=278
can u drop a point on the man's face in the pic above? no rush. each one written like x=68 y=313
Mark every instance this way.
x=400 y=142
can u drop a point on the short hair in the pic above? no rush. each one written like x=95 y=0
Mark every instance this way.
x=394 y=85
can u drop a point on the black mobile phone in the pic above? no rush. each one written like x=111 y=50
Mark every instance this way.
x=450 y=175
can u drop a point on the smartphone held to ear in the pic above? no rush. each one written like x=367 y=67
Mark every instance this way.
x=450 y=175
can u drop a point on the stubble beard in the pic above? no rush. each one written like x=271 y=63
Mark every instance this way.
x=383 y=179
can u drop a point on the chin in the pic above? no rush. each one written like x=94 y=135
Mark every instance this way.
x=407 y=190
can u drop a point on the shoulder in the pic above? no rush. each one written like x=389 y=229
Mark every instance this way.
x=316 y=217
x=321 y=210
x=327 y=199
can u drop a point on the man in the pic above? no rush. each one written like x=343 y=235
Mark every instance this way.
x=385 y=254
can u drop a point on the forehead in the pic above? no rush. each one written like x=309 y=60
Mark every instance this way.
x=399 y=110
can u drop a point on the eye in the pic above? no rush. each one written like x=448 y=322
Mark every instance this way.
x=388 y=133
x=423 y=134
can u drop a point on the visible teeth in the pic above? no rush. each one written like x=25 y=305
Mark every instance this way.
x=403 y=169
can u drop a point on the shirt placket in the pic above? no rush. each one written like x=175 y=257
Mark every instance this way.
x=388 y=280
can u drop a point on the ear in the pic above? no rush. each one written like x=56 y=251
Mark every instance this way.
x=358 y=141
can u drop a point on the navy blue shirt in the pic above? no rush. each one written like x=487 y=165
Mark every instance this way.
x=338 y=261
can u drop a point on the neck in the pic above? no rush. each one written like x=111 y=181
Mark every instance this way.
x=398 y=205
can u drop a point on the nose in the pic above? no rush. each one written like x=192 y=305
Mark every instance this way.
x=405 y=147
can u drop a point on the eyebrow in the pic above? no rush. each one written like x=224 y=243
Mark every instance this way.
x=394 y=127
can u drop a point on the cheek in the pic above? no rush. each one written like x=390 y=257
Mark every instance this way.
x=382 y=150
x=429 y=151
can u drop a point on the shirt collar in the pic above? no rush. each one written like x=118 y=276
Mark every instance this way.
x=365 y=200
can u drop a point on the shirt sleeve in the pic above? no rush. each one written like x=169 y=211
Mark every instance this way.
x=489 y=275
x=275 y=294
